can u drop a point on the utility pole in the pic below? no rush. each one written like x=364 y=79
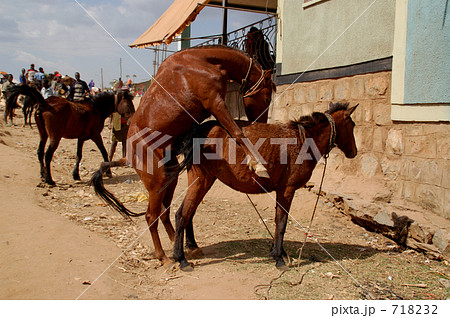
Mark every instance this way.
x=101 y=72
x=225 y=22
x=120 y=67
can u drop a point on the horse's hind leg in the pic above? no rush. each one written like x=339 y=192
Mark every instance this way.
x=199 y=185
x=112 y=150
x=99 y=142
x=76 y=170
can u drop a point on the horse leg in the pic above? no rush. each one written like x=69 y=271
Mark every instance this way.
x=152 y=216
x=25 y=113
x=40 y=153
x=198 y=185
x=43 y=139
x=167 y=202
x=76 y=170
x=30 y=113
x=220 y=111
x=112 y=150
x=284 y=200
x=48 y=159
x=99 y=142
x=124 y=148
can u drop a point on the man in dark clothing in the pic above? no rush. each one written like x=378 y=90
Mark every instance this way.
x=78 y=89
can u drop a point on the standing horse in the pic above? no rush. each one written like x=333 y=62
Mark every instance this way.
x=290 y=167
x=120 y=120
x=57 y=118
x=190 y=86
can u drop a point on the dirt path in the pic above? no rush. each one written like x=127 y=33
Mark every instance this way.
x=55 y=238
x=43 y=255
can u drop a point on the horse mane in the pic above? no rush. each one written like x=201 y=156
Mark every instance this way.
x=316 y=118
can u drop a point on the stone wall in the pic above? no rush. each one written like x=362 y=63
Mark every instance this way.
x=412 y=159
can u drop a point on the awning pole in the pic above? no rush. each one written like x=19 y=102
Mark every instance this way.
x=225 y=22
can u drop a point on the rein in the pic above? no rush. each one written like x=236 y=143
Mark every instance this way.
x=255 y=86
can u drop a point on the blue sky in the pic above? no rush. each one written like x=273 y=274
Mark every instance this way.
x=59 y=36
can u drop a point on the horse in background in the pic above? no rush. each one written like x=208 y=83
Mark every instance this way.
x=57 y=117
x=290 y=167
x=120 y=121
x=20 y=101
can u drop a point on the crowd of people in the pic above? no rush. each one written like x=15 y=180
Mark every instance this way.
x=54 y=84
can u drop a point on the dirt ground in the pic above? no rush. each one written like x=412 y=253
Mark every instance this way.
x=62 y=242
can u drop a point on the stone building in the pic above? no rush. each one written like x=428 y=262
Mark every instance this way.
x=391 y=57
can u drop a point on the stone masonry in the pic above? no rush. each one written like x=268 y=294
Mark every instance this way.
x=412 y=159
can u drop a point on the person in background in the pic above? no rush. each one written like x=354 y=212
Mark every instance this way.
x=39 y=76
x=47 y=90
x=91 y=84
x=30 y=76
x=60 y=88
x=120 y=84
x=23 y=77
x=8 y=83
x=78 y=90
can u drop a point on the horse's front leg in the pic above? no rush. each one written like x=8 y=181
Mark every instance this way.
x=99 y=142
x=284 y=200
x=76 y=170
x=220 y=111
x=48 y=159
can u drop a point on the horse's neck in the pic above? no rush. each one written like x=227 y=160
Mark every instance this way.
x=321 y=135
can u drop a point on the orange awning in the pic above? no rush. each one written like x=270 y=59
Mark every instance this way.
x=171 y=24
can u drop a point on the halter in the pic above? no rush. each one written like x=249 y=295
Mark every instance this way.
x=254 y=87
x=332 y=142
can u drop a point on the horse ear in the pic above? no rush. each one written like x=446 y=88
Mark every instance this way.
x=351 y=110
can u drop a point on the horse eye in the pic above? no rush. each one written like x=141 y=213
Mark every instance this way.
x=267 y=100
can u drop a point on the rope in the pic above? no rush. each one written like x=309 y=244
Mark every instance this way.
x=313 y=213
x=267 y=228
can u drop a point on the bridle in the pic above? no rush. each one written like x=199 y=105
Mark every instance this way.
x=332 y=142
x=252 y=89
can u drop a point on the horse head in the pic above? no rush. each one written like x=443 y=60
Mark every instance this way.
x=258 y=98
x=124 y=105
x=345 y=138
x=104 y=103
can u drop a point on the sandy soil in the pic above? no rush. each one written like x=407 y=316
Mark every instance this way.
x=63 y=243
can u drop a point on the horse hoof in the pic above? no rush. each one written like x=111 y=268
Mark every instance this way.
x=187 y=268
x=76 y=177
x=108 y=174
x=261 y=172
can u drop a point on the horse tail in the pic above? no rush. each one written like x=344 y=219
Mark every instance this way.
x=105 y=195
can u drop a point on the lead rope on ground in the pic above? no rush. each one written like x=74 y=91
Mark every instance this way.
x=300 y=280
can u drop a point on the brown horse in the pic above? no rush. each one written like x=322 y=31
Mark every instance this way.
x=190 y=86
x=292 y=152
x=123 y=113
x=57 y=118
x=28 y=106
